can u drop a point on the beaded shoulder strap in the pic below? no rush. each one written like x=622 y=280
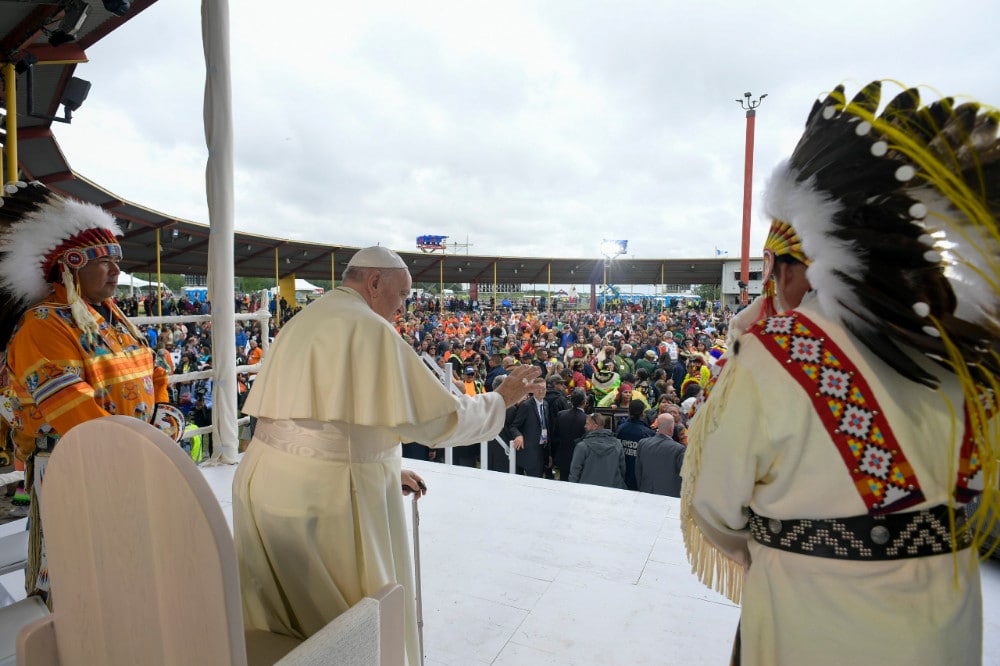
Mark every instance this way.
x=846 y=405
x=970 y=464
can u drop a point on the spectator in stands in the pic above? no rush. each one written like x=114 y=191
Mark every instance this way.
x=457 y=382
x=478 y=368
x=472 y=385
x=241 y=339
x=690 y=400
x=641 y=385
x=659 y=459
x=555 y=395
x=647 y=362
x=174 y=353
x=598 y=458
x=680 y=427
x=579 y=379
x=671 y=347
x=496 y=369
x=254 y=357
x=625 y=361
x=649 y=416
x=697 y=373
x=630 y=433
x=606 y=380
x=468 y=455
x=567 y=428
x=201 y=416
x=621 y=397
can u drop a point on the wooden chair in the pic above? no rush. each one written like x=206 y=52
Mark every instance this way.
x=143 y=567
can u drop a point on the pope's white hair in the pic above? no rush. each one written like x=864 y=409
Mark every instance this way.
x=26 y=242
x=810 y=212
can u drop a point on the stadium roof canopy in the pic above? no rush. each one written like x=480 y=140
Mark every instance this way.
x=25 y=31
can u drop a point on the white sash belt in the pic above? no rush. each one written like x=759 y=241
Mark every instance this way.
x=327 y=440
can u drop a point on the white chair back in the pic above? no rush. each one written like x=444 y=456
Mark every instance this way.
x=141 y=560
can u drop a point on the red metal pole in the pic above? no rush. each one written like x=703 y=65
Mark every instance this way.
x=747 y=195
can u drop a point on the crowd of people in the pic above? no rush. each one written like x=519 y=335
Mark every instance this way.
x=621 y=370
x=658 y=360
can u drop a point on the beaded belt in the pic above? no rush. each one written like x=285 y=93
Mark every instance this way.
x=887 y=537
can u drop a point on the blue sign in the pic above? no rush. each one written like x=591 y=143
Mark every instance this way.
x=428 y=242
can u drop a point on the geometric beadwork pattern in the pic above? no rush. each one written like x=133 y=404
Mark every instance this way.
x=970 y=464
x=845 y=403
x=888 y=537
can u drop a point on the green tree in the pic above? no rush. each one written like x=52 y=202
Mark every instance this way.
x=708 y=292
x=249 y=285
x=174 y=282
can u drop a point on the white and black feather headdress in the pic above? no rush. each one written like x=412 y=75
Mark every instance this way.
x=42 y=237
x=897 y=212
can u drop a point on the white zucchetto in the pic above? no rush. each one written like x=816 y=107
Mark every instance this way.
x=376 y=256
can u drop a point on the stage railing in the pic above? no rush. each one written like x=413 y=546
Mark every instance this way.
x=263 y=316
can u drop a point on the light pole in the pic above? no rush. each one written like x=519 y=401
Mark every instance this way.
x=750 y=105
x=610 y=249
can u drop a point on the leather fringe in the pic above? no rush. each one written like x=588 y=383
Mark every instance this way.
x=712 y=566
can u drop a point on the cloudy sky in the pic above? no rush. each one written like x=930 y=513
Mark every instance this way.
x=532 y=128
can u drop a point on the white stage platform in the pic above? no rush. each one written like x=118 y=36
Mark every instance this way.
x=521 y=572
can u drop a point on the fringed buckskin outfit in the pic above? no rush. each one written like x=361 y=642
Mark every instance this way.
x=828 y=469
x=68 y=356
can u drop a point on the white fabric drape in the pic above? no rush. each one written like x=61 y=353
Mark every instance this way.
x=219 y=188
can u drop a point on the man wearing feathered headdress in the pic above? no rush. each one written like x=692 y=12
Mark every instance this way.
x=70 y=355
x=827 y=472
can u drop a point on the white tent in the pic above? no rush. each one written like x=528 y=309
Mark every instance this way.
x=303 y=285
x=131 y=283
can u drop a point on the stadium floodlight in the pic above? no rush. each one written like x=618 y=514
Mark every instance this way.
x=613 y=248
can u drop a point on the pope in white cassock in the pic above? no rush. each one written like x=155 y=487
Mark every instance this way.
x=317 y=506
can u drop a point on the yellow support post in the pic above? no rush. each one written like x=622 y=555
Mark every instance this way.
x=441 y=284
x=494 y=286
x=286 y=290
x=159 y=290
x=277 y=292
x=10 y=146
